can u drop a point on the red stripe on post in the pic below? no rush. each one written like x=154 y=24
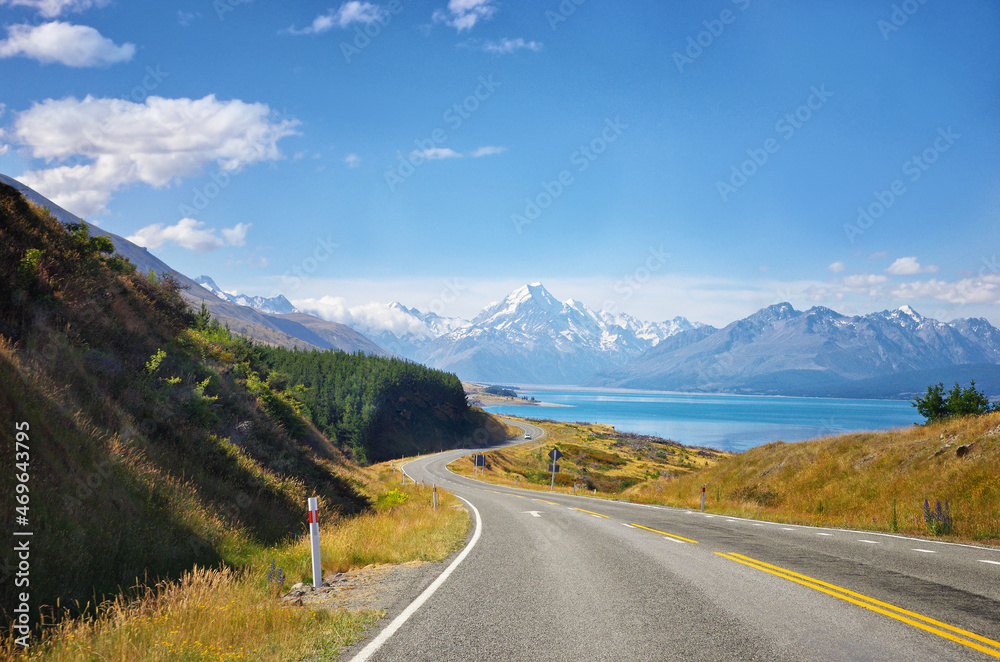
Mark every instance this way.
x=313 y=516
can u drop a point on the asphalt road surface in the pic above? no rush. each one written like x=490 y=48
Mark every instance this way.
x=557 y=577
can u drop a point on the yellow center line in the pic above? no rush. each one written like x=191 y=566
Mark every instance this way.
x=664 y=533
x=591 y=512
x=544 y=501
x=884 y=608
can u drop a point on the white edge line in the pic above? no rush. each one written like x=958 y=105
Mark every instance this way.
x=993 y=562
x=398 y=622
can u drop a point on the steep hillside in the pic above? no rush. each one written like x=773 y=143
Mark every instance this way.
x=302 y=331
x=155 y=438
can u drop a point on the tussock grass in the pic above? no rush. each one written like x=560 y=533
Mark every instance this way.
x=595 y=457
x=875 y=481
x=232 y=613
x=206 y=615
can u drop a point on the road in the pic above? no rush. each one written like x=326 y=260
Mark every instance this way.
x=560 y=577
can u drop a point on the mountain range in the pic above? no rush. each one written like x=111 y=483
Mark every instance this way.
x=530 y=337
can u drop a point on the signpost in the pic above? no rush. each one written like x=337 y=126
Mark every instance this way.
x=480 y=462
x=555 y=455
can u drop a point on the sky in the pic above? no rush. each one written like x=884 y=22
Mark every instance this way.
x=654 y=158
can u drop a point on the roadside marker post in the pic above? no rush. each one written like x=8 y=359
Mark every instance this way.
x=703 y=497
x=555 y=455
x=434 y=491
x=314 y=540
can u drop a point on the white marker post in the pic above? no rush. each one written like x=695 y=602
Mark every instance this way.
x=703 y=497
x=435 y=492
x=314 y=539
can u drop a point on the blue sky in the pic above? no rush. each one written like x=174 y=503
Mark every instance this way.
x=656 y=158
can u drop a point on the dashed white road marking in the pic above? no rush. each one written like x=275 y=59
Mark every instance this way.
x=870 y=542
x=993 y=562
x=787 y=528
x=756 y=524
x=925 y=551
x=824 y=534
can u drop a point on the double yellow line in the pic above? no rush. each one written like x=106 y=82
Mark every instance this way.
x=964 y=637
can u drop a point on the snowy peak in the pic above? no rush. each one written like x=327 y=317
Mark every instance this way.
x=276 y=305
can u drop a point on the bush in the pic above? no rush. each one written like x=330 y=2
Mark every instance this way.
x=934 y=406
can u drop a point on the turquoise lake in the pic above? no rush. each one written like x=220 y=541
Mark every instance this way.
x=727 y=422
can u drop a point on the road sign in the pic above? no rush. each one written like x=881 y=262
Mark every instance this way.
x=554 y=468
x=555 y=454
x=480 y=460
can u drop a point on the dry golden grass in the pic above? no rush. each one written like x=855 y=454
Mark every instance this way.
x=207 y=615
x=593 y=458
x=857 y=480
x=235 y=614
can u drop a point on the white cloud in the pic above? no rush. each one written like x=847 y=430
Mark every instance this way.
x=185 y=18
x=464 y=14
x=863 y=280
x=487 y=150
x=908 y=266
x=371 y=315
x=881 y=255
x=191 y=234
x=65 y=43
x=106 y=144
x=352 y=161
x=435 y=154
x=507 y=46
x=440 y=153
x=836 y=267
x=981 y=290
x=349 y=12
x=53 y=8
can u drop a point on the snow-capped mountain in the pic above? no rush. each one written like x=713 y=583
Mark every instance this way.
x=531 y=337
x=781 y=350
x=276 y=305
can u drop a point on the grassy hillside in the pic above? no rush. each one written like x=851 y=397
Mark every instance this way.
x=874 y=480
x=595 y=457
x=155 y=439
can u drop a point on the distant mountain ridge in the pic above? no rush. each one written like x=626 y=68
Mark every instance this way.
x=276 y=305
x=779 y=350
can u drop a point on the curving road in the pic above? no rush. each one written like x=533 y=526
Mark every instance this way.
x=558 y=577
